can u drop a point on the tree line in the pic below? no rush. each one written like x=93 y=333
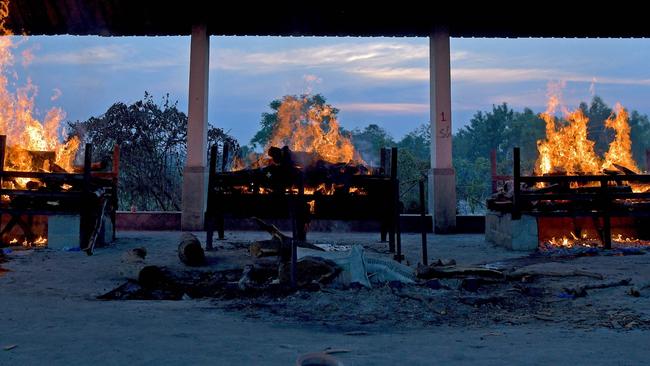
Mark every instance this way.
x=152 y=137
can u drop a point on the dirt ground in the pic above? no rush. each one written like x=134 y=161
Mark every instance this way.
x=50 y=313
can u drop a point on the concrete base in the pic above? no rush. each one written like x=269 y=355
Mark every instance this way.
x=442 y=200
x=63 y=231
x=502 y=230
x=195 y=185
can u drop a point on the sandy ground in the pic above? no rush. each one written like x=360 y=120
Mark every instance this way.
x=50 y=313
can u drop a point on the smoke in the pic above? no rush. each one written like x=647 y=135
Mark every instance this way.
x=56 y=94
x=592 y=87
x=310 y=80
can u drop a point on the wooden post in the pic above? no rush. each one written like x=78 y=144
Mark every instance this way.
x=516 y=182
x=423 y=224
x=209 y=212
x=647 y=160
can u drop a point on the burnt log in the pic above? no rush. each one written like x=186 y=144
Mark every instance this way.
x=310 y=270
x=265 y=248
x=624 y=169
x=190 y=251
x=434 y=271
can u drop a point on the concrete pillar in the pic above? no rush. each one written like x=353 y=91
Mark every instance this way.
x=442 y=178
x=195 y=171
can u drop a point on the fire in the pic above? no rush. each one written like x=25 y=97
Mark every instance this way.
x=312 y=129
x=33 y=145
x=568 y=150
x=620 y=150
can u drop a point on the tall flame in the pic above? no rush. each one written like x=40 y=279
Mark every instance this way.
x=18 y=122
x=568 y=150
x=620 y=150
x=313 y=129
x=310 y=128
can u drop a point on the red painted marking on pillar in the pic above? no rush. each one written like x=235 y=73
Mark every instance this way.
x=443 y=117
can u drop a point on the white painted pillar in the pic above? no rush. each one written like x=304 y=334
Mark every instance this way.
x=195 y=171
x=442 y=178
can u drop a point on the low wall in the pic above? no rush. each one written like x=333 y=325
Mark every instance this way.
x=171 y=220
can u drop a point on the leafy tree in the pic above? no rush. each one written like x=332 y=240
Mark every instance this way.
x=370 y=140
x=152 y=139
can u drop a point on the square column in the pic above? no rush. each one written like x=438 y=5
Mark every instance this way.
x=442 y=177
x=195 y=172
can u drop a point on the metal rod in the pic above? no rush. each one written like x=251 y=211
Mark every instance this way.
x=383 y=152
x=3 y=147
x=607 y=224
x=493 y=169
x=209 y=214
x=392 y=226
x=423 y=224
x=224 y=156
x=516 y=174
x=84 y=220
x=393 y=163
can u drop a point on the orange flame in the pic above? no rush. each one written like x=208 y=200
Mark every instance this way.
x=568 y=150
x=25 y=133
x=620 y=150
x=312 y=129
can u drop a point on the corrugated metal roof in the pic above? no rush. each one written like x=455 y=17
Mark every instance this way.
x=403 y=19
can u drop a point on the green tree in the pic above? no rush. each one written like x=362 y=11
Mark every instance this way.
x=152 y=139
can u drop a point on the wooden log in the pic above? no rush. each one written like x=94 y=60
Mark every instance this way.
x=524 y=272
x=265 y=248
x=434 y=271
x=190 y=251
x=310 y=270
x=624 y=169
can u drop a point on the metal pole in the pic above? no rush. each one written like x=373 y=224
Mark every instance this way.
x=3 y=147
x=493 y=169
x=516 y=174
x=84 y=220
x=607 y=225
x=224 y=157
x=392 y=227
x=383 y=152
x=423 y=224
x=209 y=214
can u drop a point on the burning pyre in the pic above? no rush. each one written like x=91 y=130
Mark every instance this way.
x=32 y=145
x=307 y=138
x=567 y=150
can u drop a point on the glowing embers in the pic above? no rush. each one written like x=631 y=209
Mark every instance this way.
x=29 y=231
x=586 y=232
x=323 y=189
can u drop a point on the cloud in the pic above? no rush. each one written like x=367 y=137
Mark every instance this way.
x=393 y=73
x=398 y=108
x=116 y=57
x=336 y=56
x=111 y=54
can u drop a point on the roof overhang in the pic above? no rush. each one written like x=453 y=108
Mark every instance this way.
x=163 y=18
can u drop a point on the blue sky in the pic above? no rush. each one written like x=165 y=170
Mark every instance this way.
x=371 y=80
